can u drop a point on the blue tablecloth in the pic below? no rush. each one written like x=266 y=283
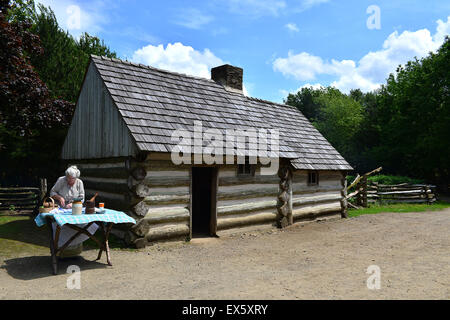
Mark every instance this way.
x=63 y=216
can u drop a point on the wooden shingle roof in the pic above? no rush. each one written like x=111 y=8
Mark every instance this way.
x=154 y=102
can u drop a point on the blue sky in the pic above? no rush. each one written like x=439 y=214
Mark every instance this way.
x=282 y=45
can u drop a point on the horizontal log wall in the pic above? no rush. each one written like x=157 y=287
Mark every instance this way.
x=157 y=194
x=245 y=200
x=312 y=201
x=108 y=177
x=164 y=208
x=242 y=200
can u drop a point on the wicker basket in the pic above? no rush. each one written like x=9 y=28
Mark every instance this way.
x=48 y=209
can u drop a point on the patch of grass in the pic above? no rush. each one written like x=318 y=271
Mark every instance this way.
x=399 y=207
x=19 y=235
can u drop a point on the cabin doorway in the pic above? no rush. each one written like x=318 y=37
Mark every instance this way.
x=204 y=202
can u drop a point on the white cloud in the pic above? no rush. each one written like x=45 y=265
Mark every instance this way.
x=178 y=58
x=443 y=29
x=192 y=18
x=302 y=66
x=373 y=68
x=292 y=27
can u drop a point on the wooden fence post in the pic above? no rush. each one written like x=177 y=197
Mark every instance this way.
x=344 y=213
x=364 y=192
x=426 y=194
x=42 y=188
x=360 y=188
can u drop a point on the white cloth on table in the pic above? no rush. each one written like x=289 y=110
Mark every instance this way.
x=66 y=233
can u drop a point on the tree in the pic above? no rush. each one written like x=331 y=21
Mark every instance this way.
x=339 y=121
x=336 y=115
x=414 y=117
x=42 y=67
x=65 y=59
x=27 y=109
x=304 y=101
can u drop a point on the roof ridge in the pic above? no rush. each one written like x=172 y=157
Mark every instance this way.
x=271 y=102
x=140 y=65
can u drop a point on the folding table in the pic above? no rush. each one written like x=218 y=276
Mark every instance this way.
x=65 y=217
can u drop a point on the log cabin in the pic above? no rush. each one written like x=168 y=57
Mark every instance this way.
x=122 y=139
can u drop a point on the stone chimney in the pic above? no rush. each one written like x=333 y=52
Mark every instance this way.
x=228 y=76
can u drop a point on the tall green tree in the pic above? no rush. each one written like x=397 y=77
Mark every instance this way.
x=27 y=112
x=368 y=135
x=65 y=59
x=42 y=67
x=304 y=100
x=414 y=118
x=336 y=115
x=339 y=120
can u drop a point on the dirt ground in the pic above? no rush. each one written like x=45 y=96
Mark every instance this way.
x=317 y=260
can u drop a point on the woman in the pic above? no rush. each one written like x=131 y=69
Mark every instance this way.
x=66 y=189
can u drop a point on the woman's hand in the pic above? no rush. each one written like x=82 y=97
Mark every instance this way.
x=61 y=200
x=69 y=206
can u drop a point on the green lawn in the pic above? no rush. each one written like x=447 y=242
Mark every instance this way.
x=399 y=207
x=20 y=235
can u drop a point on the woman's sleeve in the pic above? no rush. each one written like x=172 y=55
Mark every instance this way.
x=56 y=188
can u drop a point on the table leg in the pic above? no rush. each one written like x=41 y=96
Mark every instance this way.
x=56 y=240
x=99 y=254
x=107 y=231
x=52 y=248
x=101 y=247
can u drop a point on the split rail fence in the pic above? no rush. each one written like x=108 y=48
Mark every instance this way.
x=398 y=193
x=22 y=198
x=372 y=192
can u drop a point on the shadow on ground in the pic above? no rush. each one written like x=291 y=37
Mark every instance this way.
x=35 y=267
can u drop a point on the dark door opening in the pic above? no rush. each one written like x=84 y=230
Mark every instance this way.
x=203 y=215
